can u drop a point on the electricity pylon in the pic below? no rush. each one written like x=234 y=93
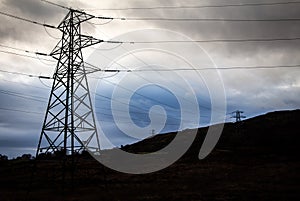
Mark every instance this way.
x=69 y=126
x=238 y=115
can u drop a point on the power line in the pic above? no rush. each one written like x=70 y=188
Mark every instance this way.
x=208 y=41
x=30 y=112
x=24 y=55
x=24 y=84
x=133 y=106
x=142 y=120
x=200 y=6
x=24 y=96
x=121 y=102
x=136 y=57
x=128 y=122
x=143 y=70
x=149 y=98
x=23 y=111
x=97 y=69
x=27 y=20
x=37 y=98
x=205 y=107
x=96 y=24
x=157 y=101
x=23 y=50
x=136 y=74
x=107 y=49
x=55 y=4
x=215 y=40
x=81 y=11
x=135 y=112
x=228 y=68
x=42 y=99
x=209 y=19
x=25 y=74
x=44 y=54
x=221 y=68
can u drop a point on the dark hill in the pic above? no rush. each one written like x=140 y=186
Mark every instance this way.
x=257 y=159
x=276 y=131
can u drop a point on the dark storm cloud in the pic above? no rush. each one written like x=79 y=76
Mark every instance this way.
x=21 y=129
x=229 y=30
x=33 y=8
x=16 y=30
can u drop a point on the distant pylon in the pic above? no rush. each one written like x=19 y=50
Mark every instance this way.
x=69 y=126
x=238 y=115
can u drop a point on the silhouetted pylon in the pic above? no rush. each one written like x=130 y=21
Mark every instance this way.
x=69 y=125
x=238 y=115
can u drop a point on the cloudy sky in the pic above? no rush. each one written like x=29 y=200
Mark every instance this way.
x=256 y=91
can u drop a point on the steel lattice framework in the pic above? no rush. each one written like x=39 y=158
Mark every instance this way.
x=238 y=115
x=69 y=125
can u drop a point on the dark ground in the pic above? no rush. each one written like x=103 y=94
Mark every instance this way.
x=260 y=162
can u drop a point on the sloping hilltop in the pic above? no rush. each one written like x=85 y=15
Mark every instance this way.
x=257 y=159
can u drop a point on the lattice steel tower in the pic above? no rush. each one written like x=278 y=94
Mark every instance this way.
x=69 y=125
x=238 y=115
